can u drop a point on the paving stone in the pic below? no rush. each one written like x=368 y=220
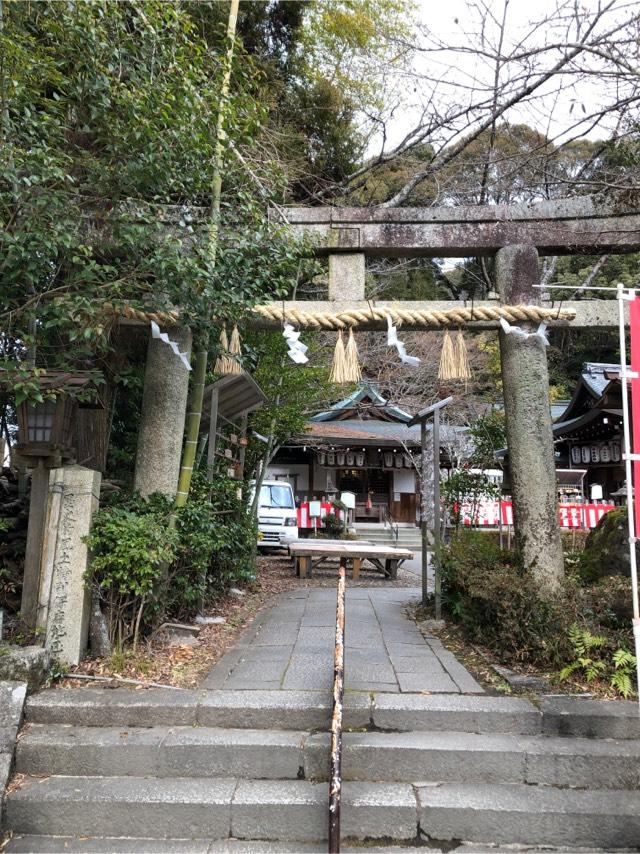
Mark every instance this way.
x=599 y=764
x=301 y=710
x=220 y=672
x=425 y=663
x=460 y=675
x=590 y=718
x=434 y=683
x=137 y=806
x=369 y=672
x=461 y=713
x=364 y=639
x=387 y=687
x=252 y=684
x=309 y=671
x=277 y=634
x=530 y=815
x=114 y=707
x=362 y=655
x=251 y=671
x=407 y=757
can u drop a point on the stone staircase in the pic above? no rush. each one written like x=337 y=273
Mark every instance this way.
x=408 y=536
x=162 y=770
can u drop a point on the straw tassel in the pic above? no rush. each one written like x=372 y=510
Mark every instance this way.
x=463 y=369
x=235 y=362
x=222 y=362
x=446 y=370
x=339 y=362
x=353 y=372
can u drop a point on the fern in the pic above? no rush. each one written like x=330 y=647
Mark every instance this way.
x=625 y=664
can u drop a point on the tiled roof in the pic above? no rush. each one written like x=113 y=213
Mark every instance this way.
x=372 y=431
x=365 y=389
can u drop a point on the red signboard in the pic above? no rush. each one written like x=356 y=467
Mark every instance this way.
x=634 y=319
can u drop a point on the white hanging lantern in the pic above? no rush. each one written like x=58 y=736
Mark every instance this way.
x=575 y=454
x=605 y=454
x=399 y=460
x=595 y=454
x=340 y=458
x=322 y=458
x=350 y=458
x=616 y=454
x=331 y=459
x=360 y=458
x=585 y=454
x=407 y=461
x=388 y=459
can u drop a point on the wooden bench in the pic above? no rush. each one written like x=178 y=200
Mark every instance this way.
x=307 y=554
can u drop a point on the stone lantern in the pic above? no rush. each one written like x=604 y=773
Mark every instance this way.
x=46 y=441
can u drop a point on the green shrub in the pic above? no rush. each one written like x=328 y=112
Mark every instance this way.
x=498 y=604
x=203 y=548
x=129 y=543
x=217 y=545
x=333 y=526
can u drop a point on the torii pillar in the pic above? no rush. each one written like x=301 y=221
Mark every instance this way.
x=525 y=381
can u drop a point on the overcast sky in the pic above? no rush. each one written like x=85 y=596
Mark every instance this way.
x=456 y=22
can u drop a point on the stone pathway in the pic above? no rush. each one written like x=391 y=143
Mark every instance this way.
x=290 y=647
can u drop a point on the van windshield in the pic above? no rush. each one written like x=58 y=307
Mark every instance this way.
x=276 y=496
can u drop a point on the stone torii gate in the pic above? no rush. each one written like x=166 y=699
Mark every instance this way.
x=513 y=235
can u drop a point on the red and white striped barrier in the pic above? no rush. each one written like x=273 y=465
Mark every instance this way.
x=306 y=520
x=488 y=514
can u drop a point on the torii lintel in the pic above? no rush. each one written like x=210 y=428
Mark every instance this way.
x=561 y=227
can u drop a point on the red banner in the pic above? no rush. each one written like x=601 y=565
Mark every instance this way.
x=634 y=318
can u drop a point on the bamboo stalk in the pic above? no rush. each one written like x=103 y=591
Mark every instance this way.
x=200 y=369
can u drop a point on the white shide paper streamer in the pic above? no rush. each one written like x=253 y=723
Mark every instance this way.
x=162 y=336
x=297 y=350
x=393 y=341
x=541 y=332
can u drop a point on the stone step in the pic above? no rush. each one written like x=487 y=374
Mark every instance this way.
x=299 y=710
x=577 y=716
x=367 y=756
x=530 y=815
x=489 y=758
x=454 y=713
x=296 y=811
x=123 y=845
x=194 y=808
x=161 y=752
x=303 y=710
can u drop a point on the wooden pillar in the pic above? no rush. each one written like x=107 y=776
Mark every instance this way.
x=525 y=381
x=164 y=404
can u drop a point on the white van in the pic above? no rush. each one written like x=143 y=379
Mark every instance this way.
x=277 y=515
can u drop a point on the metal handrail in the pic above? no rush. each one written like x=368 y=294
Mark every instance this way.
x=395 y=528
x=335 y=774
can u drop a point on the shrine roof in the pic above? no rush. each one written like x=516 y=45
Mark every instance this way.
x=370 y=432
x=366 y=393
